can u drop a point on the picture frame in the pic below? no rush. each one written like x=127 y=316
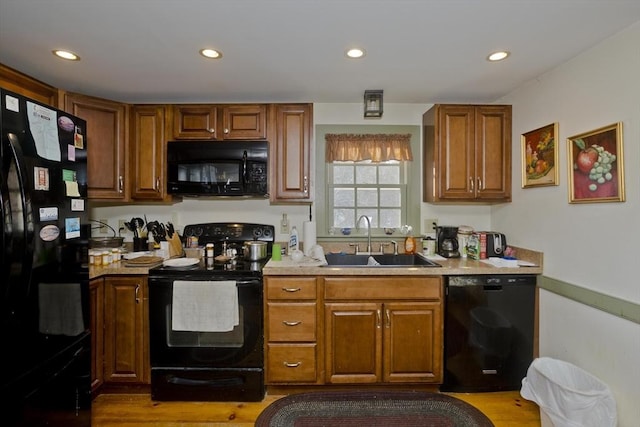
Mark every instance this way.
x=596 y=165
x=540 y=157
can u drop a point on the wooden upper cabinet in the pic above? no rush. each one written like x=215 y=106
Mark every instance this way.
x=291 y=153
x=148 y=157
x=467 y=153
x=220 y=122
x=107 y=138
x=27 y=86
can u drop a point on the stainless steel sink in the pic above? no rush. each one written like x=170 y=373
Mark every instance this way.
x=385 y=260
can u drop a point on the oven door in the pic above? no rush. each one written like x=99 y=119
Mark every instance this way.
x=242 y=347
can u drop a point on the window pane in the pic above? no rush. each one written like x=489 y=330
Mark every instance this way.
x=373 y=216
x=389 y=174
x=367 y=197
x=343 y=174
x=344 y=197
x=344 y=218
x=390 y=197
x=366 y=174
x=390 y=218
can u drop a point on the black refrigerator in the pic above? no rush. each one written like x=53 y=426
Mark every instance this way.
x=46 y=342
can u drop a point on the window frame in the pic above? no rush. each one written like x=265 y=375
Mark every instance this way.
x=412 y=172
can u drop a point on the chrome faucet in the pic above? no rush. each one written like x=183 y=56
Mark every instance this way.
x=368 y=231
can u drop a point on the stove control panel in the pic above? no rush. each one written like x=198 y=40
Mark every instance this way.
x=233 y=232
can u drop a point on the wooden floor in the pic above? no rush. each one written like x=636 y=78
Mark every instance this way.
x=505 y=409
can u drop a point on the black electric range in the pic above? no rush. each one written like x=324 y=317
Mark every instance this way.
x=210 y=364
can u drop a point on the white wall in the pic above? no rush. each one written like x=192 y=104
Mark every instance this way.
x=590 y=245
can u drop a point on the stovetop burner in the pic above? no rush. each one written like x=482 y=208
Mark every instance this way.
x=229 y=236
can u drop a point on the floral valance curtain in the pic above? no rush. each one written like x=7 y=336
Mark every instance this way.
x=374 y=147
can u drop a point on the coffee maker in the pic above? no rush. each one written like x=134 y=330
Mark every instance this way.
x=447 y=241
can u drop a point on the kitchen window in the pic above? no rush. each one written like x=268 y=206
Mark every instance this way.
x=377 y=190
x=386 y=191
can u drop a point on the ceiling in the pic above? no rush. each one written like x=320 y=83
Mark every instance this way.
x=420 y=51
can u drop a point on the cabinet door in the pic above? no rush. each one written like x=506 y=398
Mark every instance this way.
x=412 y=342
x=125 y=330
x=456 y=143
x=148 y=152
x=493 y=152
x=106 y=145
x=96 y=292
x=291 y=153
x=244 y=122
x=353 y=342
x=195 y=122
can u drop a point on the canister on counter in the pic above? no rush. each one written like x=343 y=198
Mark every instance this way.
x=209 y=250
x=464 y=233
x=428 y=246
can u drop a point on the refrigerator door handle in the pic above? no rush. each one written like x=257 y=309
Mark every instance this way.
x=28 y=221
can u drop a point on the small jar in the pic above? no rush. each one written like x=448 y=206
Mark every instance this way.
x=106 y=258
x=115 y=255
x=92 y=260
x=209 y=250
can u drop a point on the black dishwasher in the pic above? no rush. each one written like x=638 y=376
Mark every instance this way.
x=489 y=326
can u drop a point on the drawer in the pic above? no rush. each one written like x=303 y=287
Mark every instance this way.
x=291 y=288
x=290 y=363
x=386 y=288
x=291 y=322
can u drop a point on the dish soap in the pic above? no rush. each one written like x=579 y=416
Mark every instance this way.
x=293 y=240
x=409 y=244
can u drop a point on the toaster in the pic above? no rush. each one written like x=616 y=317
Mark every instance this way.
x=496 y=244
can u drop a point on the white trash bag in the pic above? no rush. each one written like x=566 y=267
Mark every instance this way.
x=568 y=395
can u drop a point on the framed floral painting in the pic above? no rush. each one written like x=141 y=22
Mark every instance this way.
x=596 y=166
x=540 y=157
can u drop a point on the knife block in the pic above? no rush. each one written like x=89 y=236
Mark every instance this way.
x=175 y=246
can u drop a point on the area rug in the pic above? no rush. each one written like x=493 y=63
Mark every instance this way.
x=387 y=408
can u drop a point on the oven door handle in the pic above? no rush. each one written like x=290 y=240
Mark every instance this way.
x=222 y=382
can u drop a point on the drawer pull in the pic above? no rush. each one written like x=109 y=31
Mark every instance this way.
x=295 y=323
x=291 y=289
x=292 y=365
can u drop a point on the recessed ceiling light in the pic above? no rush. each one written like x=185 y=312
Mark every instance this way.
x=355 y=53
x=66 y=54
x=498 y=56
x=211 y=53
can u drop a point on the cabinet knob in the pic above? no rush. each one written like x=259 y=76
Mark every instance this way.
x=211 y=130
x=479 y=183
x=137 y=291
x=226 y=131
x=120 y=184
x=471 y=184
x=291 y=289
x=305 y=187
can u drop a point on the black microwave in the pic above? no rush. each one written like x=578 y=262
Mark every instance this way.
x=206 y=168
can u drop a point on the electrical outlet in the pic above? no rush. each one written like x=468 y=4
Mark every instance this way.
x=429 y=225
x=103 y=229
x=121 y=225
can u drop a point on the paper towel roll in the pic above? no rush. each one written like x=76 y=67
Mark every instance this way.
x=309 y=236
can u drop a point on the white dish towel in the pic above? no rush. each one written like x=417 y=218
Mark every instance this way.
x=205 y=306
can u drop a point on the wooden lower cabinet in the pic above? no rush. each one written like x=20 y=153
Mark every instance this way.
x=291 y=330
x=126 y=340
x=354 y=330
x=96 y=296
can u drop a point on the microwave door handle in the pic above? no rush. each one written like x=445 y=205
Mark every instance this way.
x=244 y=167
x=26 y=260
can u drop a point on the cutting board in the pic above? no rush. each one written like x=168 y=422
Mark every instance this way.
x=144 y=261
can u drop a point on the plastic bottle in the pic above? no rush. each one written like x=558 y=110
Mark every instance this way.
x=293 y=240
x=409 y=245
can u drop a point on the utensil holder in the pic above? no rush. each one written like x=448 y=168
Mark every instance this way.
x=140 y=244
